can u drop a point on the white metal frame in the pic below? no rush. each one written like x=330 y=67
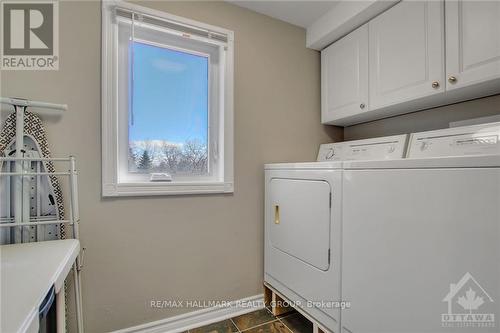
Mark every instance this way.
x=111 y=185
x=20 y=105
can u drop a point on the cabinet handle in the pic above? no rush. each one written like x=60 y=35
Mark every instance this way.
x=452 y=79
x=277 y=214
x=435 y=84
x=362 y=105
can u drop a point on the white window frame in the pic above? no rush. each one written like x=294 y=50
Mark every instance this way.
x=111 y=184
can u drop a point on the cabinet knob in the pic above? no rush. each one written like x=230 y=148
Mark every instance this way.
x=362 y=105
x=435 y=84
x=452 y=79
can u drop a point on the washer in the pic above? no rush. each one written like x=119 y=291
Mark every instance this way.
x=421 y=236
x=303 y=224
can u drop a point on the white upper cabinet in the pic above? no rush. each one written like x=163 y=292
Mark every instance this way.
x=472 y=42
x=414 y=56
x=344 y=76
x=406 y=51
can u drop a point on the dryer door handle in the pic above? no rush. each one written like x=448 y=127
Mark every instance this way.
x=276 y=214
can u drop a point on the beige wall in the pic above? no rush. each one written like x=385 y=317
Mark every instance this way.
x=425 y=120
x=186 y=247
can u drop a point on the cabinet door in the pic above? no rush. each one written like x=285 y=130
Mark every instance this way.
x=406 y=53
x=472 y=42
x=344 y=76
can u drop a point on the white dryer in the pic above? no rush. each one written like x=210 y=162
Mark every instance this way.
x=303 y=224
x=421 y=236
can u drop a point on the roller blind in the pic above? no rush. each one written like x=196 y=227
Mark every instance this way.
x=170 y=25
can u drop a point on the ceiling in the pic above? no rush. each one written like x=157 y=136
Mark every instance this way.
x=300 y=13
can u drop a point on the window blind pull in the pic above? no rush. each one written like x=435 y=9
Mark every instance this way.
x=131 y=98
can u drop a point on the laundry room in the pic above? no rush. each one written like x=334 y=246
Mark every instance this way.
x=250 y=166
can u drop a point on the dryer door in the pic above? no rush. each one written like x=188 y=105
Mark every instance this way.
x=300 y=218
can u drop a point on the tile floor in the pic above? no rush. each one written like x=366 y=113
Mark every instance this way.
x=260 y=321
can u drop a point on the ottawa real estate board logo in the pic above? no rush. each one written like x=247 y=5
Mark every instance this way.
x=469 y=305
x=29 y=35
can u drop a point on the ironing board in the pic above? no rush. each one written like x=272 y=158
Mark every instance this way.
x=41 y=196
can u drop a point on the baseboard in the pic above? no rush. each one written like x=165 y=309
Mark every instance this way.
x=198 y=318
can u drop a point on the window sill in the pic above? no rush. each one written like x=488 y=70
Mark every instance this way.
x=160 y=188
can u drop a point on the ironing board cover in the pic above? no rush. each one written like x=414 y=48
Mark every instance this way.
x=35 y=144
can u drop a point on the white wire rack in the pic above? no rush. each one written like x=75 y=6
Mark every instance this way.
x=21 y=218
x=24 y=176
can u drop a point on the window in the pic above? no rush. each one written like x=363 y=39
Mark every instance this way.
x=167 y=106
x=168 y=112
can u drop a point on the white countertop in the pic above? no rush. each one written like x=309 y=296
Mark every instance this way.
x=28 y=271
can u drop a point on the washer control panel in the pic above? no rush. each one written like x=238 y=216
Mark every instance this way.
x=383 y=148
x=481 y=139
